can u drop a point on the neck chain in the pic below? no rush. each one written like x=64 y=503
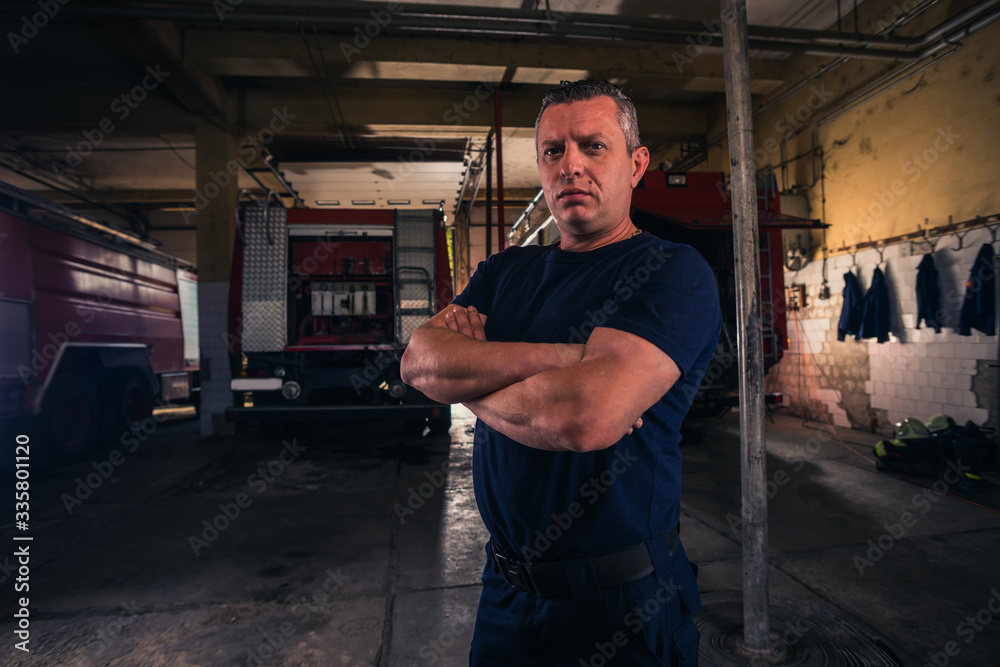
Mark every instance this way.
x=635 y=233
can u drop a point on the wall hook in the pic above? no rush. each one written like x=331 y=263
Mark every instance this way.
x=879 y=248
x=927 y=239
x=993 y=233
x=961 y=239
x=843 y=246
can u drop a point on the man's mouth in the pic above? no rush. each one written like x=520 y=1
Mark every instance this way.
x=573 y=194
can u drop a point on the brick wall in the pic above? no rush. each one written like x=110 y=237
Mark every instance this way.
x=919 y=373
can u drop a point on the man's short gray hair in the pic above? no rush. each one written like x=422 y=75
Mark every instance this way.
x=588 y=89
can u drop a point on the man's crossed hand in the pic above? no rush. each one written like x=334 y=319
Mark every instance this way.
x=471 y=322
x=468 y=321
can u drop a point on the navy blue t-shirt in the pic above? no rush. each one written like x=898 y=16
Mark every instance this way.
x=540 y=504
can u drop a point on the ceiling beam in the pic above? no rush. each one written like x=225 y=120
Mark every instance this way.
x=453 y=112
x=270 y=54
x=139 y=196
x=160 y=44
x=466 y=109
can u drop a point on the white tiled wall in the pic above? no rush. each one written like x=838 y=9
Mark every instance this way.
x=793 y=379
x=920 y=372
x=213 y=302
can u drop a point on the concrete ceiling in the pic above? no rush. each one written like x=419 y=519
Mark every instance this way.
x=363 y=107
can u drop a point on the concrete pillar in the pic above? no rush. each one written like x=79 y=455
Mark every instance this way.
x=746 y=244
x=217 y=172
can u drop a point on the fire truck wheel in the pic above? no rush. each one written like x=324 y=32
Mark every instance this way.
x=70 y=414
x=127 y=401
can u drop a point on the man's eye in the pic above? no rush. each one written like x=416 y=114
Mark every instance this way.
x=595 y=146
x=549 y=152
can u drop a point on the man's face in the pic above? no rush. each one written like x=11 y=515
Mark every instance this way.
x=586 y=170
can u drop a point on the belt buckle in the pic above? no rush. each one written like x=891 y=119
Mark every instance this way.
x=515 y=573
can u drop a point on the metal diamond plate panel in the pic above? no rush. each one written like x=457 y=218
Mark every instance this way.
x=414 y=270
x=408 y=324
x=415 y=229
x=413 y=295
x=265 y=258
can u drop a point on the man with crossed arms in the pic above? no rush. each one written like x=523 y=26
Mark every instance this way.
x=580 y=361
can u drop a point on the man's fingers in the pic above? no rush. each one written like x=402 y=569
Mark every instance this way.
x=467 y=321
x=461 y=318
x=476 y=321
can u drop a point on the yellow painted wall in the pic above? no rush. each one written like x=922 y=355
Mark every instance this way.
x=927 y=149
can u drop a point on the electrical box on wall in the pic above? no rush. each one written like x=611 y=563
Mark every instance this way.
x=796 y=296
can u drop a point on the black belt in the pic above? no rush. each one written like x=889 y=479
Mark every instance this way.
x=549 y=579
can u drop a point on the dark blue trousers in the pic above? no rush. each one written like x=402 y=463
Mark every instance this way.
x=644 y=622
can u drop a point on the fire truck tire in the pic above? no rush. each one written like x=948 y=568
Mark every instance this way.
x=70 y=417
x=126 y=402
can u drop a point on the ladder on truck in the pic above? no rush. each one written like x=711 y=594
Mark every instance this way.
x=413 y=266
x=769 y=337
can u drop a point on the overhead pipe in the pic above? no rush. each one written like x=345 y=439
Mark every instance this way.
x=908 y=16
x=497 y=104
x=935 y=33
x=519 y=19
x=515 y=22
x=880 y=86
x=886 y=83
x=871 y=90
x=961 y=33
x=932 y=46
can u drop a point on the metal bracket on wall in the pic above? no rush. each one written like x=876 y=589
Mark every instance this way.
x=924 y=246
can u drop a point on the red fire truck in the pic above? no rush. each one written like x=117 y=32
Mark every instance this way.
x=322 y=305
x=694 y=208
x=97 y=326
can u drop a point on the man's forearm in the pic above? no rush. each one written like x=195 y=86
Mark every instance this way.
x=450 y=367
x=555 y=411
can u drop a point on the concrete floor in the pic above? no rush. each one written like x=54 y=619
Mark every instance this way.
x=361 y=547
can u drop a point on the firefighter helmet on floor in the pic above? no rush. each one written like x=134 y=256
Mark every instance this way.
x=939 y=424
x=910 y=429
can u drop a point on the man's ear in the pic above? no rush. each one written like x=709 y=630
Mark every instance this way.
x=640 y=160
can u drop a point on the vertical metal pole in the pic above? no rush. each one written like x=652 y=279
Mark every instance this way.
x=499 y=123
x=749 y=335
x=489 y=194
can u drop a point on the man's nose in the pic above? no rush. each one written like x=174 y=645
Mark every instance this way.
x=571 y=166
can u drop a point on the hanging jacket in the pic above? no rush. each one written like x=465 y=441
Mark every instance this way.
x=875 y=312
x=850 y=316
x=928 y=293
x=979 y=308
